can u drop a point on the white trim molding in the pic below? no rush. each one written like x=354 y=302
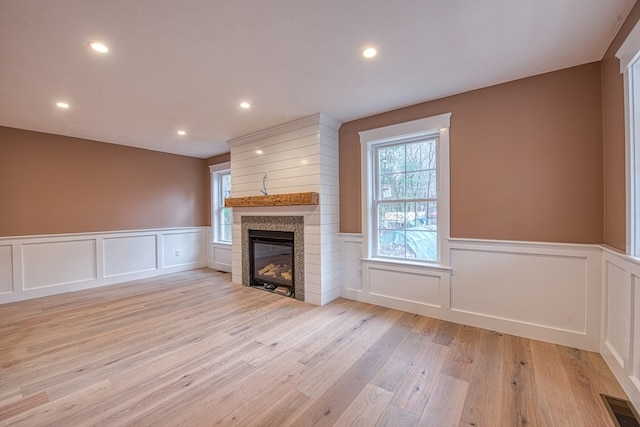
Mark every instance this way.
x=37 y=266
x=629 y=50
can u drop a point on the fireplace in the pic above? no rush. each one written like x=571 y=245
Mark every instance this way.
x=271 y=261
x=278 y=238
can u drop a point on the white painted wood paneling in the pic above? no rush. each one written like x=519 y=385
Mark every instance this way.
x=552 y=292
x=221 y=259
x=36 y=266
x=403 y=284
x=542 y=291
x=351 y=268
x=532 y=288
x=183 y=248
x=6 y=269
x=545 y=291
x=56 y=263
x=635 y=334
x=299 y=156
x=620 y=341
x=618 y=308
x=126 y=255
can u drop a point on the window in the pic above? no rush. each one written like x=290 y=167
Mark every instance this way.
x=629 y=55
x=406 y=191
x=222 y=218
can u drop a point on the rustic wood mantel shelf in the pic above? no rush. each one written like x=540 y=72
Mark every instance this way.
x=290 y=199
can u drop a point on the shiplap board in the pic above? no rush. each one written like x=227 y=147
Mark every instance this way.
x=299 y=156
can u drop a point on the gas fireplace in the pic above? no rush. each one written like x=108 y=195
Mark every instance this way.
x=273 y=256
x=271 y=261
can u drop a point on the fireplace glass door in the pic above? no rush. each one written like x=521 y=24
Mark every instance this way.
x=271 y=261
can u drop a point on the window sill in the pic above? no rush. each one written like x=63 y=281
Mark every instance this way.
x=223 y=244
x=388 y=261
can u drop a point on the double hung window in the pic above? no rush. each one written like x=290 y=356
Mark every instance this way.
x=222 y=218
x=405 y=186
x=406 y=199
x=629 y=55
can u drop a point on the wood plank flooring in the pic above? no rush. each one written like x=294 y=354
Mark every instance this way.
x=193 y=349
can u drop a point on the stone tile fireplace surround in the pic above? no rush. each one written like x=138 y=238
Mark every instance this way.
x=276 y=223
x=300 y=156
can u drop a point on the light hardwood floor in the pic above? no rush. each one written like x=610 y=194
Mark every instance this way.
x=193 y=349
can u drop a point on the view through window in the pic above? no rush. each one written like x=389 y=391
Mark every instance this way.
x=406 y=199
x=225 y=218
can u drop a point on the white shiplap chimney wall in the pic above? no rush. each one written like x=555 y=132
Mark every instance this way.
x=299 y=156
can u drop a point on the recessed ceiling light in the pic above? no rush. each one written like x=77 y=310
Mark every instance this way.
x=62 y=104
x=259 y=152
x=99 y=47
x=182 y=132
x=369 y=52
x=245 y=105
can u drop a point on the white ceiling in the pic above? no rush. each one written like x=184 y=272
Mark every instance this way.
x=186 y=64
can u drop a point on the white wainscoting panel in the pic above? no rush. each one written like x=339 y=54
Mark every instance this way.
x=544 y=291
x=618 y=305
x=6 y=269
x=531 y=288
x=36 y=266
x=635 y=339
x=405 y=284
x=620 y=342
x=220 y=257
x=131 y=254
x=183 y=248
x=56 y=263
x=350 y=255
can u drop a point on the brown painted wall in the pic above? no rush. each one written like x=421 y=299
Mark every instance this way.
x=526 y=158
x=613 y=136
x=226 y=157
x=56 y=184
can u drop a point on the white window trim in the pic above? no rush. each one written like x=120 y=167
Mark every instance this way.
x=415 y=128
x=214 y=171
x=629 y=56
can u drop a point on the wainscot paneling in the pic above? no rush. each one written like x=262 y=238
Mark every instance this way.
x=58 y=263
x=182 y=248
x=36 y=266
x=131 y=254
x=6 y=269
x=542 y=291
x=620 y=342
x=409 y=285
x=220 y=256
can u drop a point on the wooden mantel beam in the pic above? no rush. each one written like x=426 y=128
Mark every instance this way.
x=290 y=199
